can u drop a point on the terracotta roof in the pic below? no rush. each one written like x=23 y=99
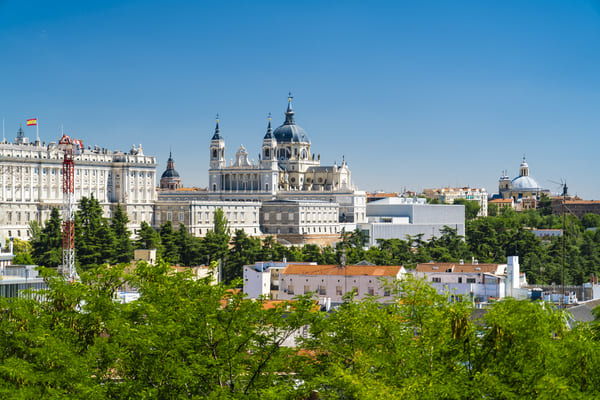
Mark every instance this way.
x=582 y=202
x=349 y=270
x=457 y=267
x=501 y=201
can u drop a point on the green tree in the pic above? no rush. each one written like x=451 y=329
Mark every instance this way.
x=472 y=207
x=148 y=238
x=216 y=241
x=94 y=239
x=123 y=243
x=46 y=242
x=591 y=221
x=168 y=240
x=545 y=205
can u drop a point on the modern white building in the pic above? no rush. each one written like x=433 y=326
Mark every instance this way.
x=397 y=217
x=31 y=182
x=335 y=281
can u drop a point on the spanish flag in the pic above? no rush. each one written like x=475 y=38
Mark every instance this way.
x=31 y=122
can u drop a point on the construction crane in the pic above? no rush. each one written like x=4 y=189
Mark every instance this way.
x=71 y=147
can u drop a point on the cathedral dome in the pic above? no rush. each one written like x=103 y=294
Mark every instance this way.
x=524 y=183
x=289 y=132
x=170 y=173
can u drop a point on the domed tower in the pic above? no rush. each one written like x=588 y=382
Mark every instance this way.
x=293 y=151
x=170 y=179
x=292 y=141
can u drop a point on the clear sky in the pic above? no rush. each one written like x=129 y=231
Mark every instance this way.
x=414 y=94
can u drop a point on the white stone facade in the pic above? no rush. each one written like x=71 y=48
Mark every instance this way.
x=198 y=215
x=31 y=185
x=286 y=170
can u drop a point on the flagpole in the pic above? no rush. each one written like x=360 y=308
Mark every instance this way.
x=37 y=130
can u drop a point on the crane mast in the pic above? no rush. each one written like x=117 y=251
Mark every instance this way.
x=70 y=147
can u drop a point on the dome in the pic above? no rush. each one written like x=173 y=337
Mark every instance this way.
x=289 y=132
x=170 y=173
x=525 y=183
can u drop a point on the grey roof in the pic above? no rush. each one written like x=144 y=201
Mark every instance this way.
x=269 y=134
x=289 y=132
x=583 y=311
x=170 y=173
x=217 y=135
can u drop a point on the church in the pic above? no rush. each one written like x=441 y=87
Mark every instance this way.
x=285 y=192
x=522 y=187
x=285 y=164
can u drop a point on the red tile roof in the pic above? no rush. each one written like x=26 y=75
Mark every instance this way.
x=457 y=267
x=352 y=270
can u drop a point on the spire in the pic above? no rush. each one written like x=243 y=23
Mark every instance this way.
x=289 y=114
x=269 y=134
x=217 y=135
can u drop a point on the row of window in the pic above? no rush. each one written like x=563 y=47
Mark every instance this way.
x=436 y=279
x=321 y=290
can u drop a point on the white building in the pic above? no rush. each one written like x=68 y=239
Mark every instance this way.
x=198 y=215
x=448 y=195
x=262 y=279
x=286 y=170
x=397 y=217
x=482 y=281
x=301 y=217
x=334 y=281
x=31 y=182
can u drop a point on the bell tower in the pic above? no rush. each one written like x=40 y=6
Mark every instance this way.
x=217 y=149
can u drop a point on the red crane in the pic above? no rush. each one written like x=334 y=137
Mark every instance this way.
x=70 y=147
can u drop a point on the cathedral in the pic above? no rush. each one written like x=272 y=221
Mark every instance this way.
x=285 y=164
x=521 y=187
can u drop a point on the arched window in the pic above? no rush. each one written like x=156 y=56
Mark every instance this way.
x=215 y=153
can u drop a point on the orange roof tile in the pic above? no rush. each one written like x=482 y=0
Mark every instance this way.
x=501 y=201
x=352 y=270
x=456 y=267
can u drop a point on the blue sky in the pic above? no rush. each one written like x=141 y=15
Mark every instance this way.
x=413 y=94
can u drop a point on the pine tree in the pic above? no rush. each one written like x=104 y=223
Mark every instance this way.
x=123 y=244
x=46 y=242
x=167 y=237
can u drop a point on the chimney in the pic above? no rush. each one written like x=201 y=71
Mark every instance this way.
x=462 y=262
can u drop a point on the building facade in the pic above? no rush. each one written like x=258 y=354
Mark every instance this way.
x=335 y=281
x=521 y=187
x=395 y=218
x=287 y=169
x=448 y=195
x=31 y=174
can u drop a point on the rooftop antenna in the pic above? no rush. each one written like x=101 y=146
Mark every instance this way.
x=563 y=183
